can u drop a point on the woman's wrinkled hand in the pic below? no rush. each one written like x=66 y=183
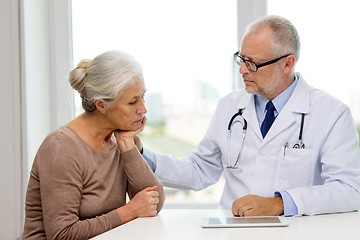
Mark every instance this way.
x=121 y=134
x=143 y=204
x=125 y=138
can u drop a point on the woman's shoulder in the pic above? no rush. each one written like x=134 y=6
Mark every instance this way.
x=61 y=144
x=63 y=136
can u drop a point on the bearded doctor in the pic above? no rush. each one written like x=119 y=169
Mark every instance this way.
x=284 y=147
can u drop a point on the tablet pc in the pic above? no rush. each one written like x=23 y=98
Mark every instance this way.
x=238 y=222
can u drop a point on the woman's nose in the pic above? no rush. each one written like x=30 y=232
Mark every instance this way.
x=142 y=109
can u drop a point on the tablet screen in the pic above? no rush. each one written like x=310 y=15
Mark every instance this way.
x=244 y=222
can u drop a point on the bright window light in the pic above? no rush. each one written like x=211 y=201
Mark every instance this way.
x=185 y=48
x=330 y=37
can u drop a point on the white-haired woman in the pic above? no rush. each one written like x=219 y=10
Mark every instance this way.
x=83 y=170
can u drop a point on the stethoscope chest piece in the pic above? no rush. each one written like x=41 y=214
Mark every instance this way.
x=300 y=144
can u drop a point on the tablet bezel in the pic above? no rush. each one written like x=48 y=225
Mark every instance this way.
x=206 y=224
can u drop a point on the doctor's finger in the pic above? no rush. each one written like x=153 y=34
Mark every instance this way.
x=244 y=210
x=235 y=209
x=234 y=212
x=250 y=212
x=238 y=210
x=237 y=204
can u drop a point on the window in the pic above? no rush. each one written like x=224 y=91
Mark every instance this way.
x=330 y=46
x=185 y=49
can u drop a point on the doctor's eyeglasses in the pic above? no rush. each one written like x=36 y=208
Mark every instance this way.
x=252 y=66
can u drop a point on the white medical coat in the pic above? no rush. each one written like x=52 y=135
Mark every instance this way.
x=322 y=178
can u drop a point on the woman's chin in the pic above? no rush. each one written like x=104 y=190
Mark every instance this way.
x=135 y=126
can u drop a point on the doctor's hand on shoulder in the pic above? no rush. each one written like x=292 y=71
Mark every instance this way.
x=253 y=205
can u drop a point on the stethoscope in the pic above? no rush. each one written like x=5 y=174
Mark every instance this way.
x=239 y=113
x=299 y=145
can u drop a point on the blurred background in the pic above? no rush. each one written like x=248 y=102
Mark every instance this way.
x=186 y=47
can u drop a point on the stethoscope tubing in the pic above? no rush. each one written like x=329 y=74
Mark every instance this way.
x=239 y=113
x=299 y=145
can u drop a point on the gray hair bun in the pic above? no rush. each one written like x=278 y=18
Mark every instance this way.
x=77 y=80
x=78 y=76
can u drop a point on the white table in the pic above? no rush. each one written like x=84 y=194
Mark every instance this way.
x=185 y=224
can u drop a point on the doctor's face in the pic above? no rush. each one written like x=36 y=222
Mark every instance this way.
x=267 y=81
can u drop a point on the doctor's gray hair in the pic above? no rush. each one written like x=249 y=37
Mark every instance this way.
x=104 y=77
x=285 y=38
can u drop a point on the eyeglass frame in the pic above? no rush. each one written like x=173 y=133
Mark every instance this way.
x=237 y=55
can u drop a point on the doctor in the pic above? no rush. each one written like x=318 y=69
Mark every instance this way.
x=284 y=147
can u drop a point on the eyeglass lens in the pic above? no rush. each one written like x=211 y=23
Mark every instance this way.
x=249 y=64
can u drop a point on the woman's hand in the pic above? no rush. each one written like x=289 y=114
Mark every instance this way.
x=143 y=204
x=125 y=138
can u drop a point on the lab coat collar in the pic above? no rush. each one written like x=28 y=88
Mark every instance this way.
x=249 y=114
x=299 y=102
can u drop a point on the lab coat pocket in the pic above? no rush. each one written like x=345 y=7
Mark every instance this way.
x=296 y=168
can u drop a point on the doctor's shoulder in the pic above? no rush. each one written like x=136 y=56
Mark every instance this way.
x=327 y=104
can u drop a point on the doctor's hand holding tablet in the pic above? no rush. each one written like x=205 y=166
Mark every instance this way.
x=284 y=147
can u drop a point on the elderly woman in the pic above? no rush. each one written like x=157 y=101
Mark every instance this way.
x=83 y=170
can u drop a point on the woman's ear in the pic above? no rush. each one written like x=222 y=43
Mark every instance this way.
x=100 y=105
x=289 y=63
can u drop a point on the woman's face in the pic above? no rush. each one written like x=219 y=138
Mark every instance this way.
x=128 y=110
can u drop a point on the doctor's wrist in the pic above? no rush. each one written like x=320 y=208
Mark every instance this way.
x=278 y=206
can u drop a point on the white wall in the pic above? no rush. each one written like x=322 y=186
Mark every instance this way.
x=11 y=124
x=47 y=62
x=36 y=52
x=35 y=61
